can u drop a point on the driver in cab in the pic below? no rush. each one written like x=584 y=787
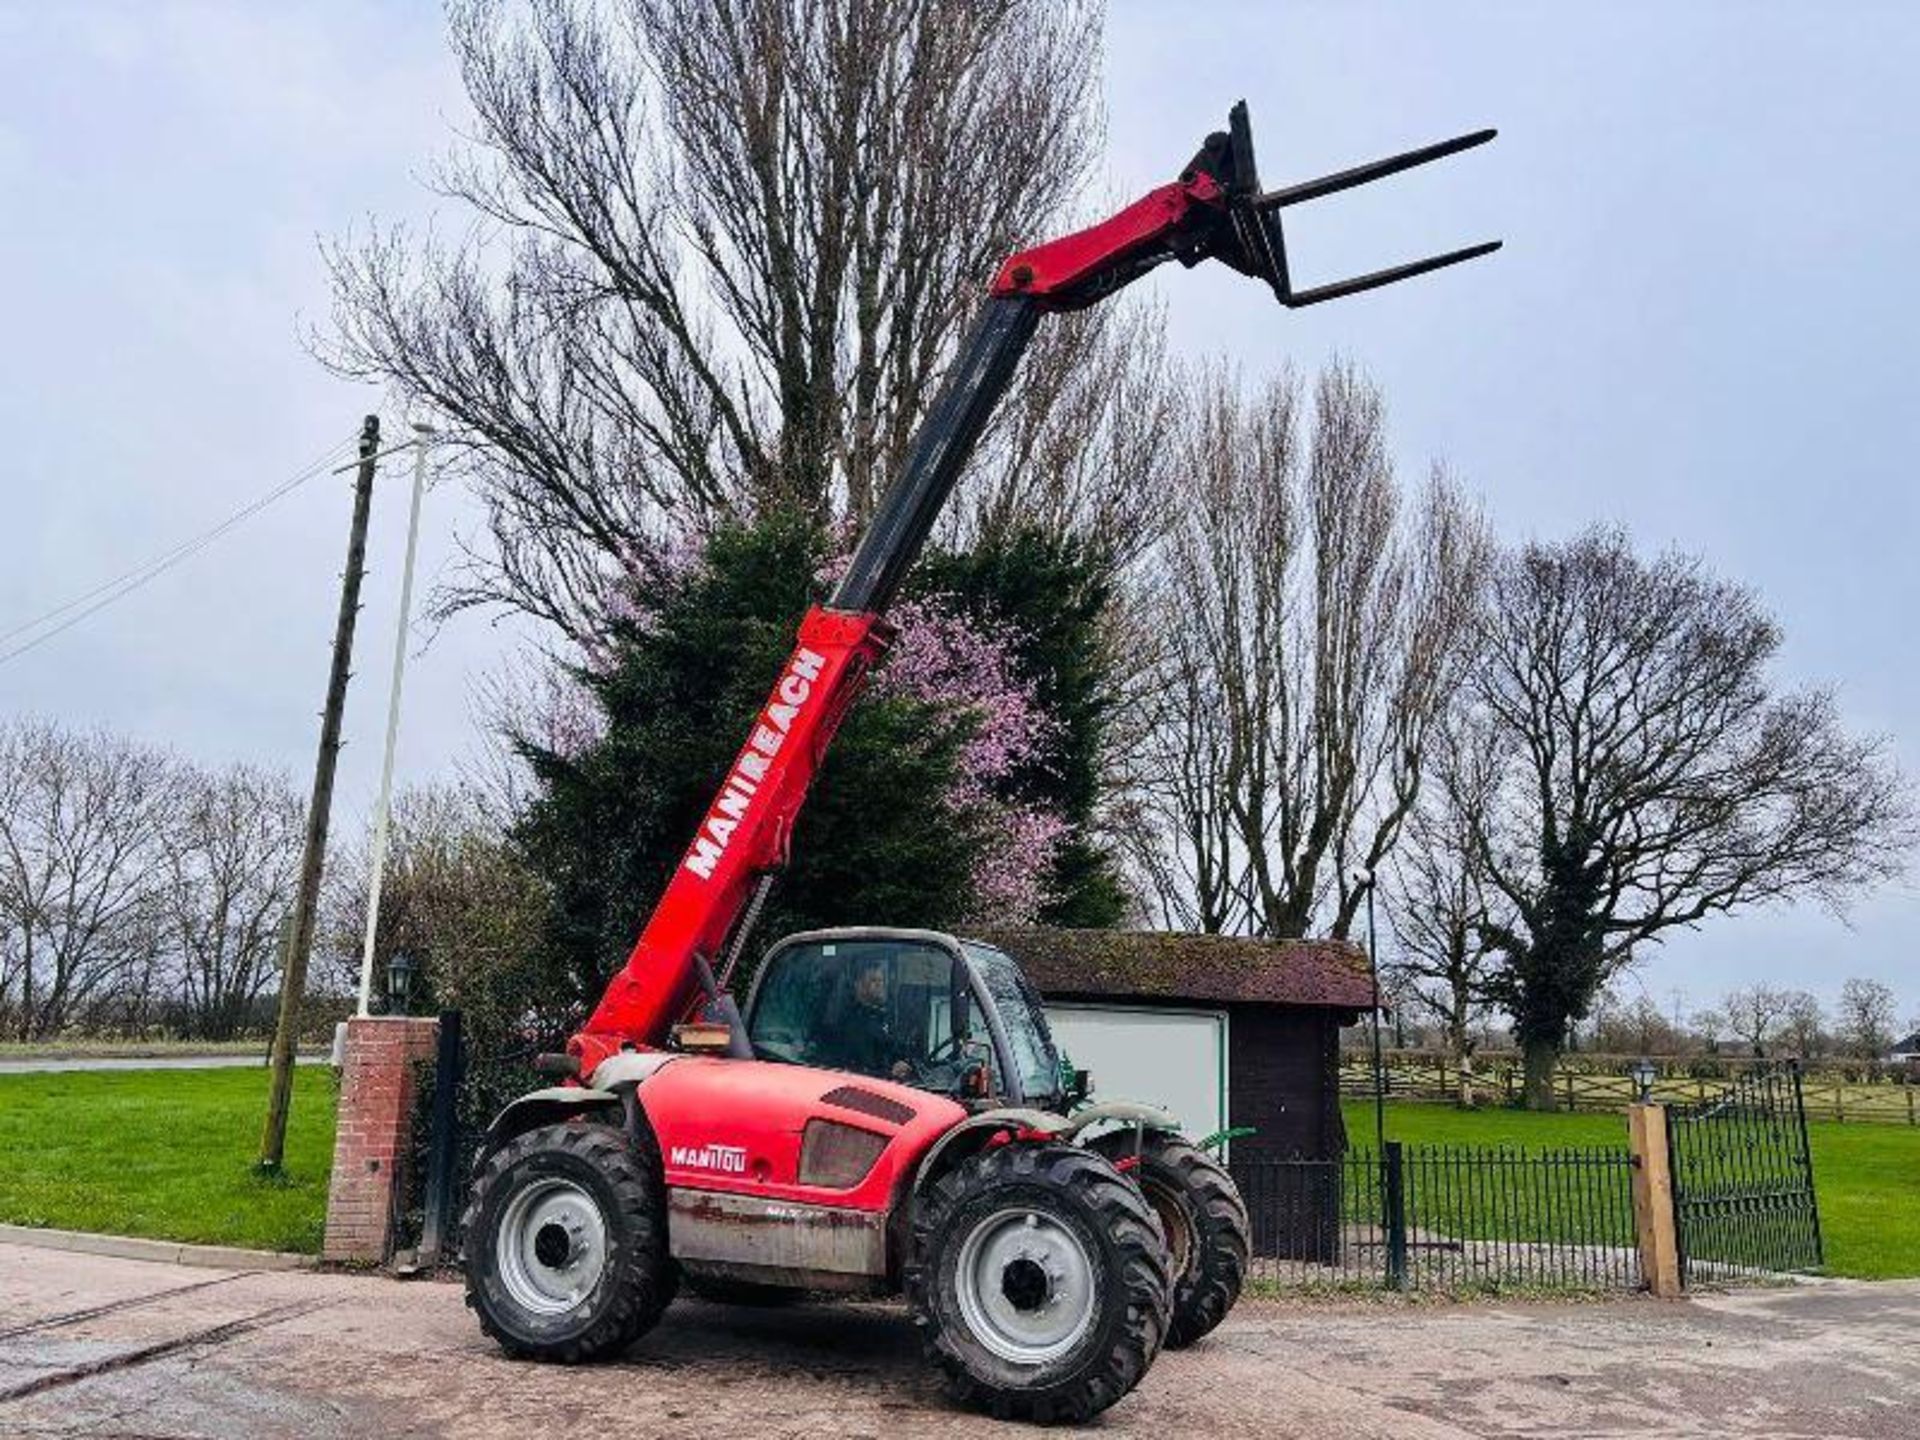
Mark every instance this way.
x=866 y=1041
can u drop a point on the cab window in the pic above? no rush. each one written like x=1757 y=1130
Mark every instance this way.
x=1023 y=1019
x=893 y=1009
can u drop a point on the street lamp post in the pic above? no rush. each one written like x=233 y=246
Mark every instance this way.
x=383 y=810
x=400 y=972
x=1365 y=878
x=1644 y=1074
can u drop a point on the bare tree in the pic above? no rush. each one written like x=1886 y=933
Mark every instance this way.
x=1087 y=448
x=1864 y=1018
x=454 y=895
x=1652 y=775
x=226 y=881
x=1638 y=1027
x=1710 y=1025
x=1755 y=1015
x=1310 y=636
x=1804 y=1029
x=724 y=251
x=1440 y=901
x=79 y=813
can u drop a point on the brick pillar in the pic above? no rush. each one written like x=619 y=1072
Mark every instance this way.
x=371 y=1143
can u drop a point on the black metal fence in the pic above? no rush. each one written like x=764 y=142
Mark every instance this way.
x=1444 y=1217
x=1743 y=1193
x=456 y=1097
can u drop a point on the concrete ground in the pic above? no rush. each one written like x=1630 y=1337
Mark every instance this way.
x=91 y=1345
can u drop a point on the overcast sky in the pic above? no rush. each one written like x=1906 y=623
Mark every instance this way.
x=1702 y=328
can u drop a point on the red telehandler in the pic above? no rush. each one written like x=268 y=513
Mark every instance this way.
x=889 y=1112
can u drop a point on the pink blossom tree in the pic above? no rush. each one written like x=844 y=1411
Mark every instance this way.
x=962 y=667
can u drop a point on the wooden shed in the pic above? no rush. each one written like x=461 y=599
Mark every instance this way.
x=1226 y=1031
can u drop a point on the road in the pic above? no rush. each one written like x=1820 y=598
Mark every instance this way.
x=56 y=1064
x=120 y=1348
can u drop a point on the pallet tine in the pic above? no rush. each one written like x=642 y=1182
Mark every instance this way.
x=1262 y=242
x=1373 y=170
x=1319 y=293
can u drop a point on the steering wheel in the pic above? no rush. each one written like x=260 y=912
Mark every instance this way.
x=947 y=1049
x=925 y=1069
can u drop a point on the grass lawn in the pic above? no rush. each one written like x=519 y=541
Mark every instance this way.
x=166 y=1154
x=1868 y=1176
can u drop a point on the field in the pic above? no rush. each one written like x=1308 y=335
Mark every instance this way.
x=166 y=1154
x=169 y=1154
x=1867 y=1175
x=1828 y=1091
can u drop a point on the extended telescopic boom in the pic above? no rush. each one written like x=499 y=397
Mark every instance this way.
x=1215 y=210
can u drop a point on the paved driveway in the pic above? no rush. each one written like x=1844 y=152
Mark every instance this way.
x=93 y=1346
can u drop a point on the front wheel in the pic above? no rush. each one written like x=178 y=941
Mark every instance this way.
x=1204 y=1219
x=1039 y=1282
x=566 y=1244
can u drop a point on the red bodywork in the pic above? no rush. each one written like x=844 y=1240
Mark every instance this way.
x=1056 y=271
x=737 y=1126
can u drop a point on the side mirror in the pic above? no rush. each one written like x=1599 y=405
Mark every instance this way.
x=975 y=1084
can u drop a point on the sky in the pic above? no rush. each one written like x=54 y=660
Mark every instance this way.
x=1700 y=329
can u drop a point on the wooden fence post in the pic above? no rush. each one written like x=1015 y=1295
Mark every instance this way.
x=1653 y=1217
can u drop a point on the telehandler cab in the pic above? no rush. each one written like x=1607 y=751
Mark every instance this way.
x=889 y=1114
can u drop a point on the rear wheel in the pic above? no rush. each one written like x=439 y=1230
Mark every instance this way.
x=1039 y=1282
x=566 y=1251
x=1204 y=1219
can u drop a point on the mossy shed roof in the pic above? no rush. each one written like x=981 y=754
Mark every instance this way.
x=1219 y=969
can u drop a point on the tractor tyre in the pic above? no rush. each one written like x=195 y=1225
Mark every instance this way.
x=566 y=1243
x=1039 y=1281
x=1203 y=1218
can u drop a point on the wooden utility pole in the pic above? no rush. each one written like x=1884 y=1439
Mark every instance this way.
x=293 y=976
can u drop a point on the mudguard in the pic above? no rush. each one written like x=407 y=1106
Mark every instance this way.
x=558 y=1102
x=1122 y=1112
x=544 y=1107
x=629 y=1067
x=981 y=1125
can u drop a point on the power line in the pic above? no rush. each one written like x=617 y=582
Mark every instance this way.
x=106 y=593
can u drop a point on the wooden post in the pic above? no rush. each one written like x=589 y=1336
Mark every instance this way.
x=293 y=974
x=1653 y=1217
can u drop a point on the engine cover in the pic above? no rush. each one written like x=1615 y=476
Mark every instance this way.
x=784 y=1173
x=743 y=1126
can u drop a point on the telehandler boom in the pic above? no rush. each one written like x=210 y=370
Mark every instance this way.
x=1046 y=1258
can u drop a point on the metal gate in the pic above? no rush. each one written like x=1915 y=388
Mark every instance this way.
x=1743 y=1180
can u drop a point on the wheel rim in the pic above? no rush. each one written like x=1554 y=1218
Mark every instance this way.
x=1025 y=1286
x=1175 y=1223
x=551 y=1246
